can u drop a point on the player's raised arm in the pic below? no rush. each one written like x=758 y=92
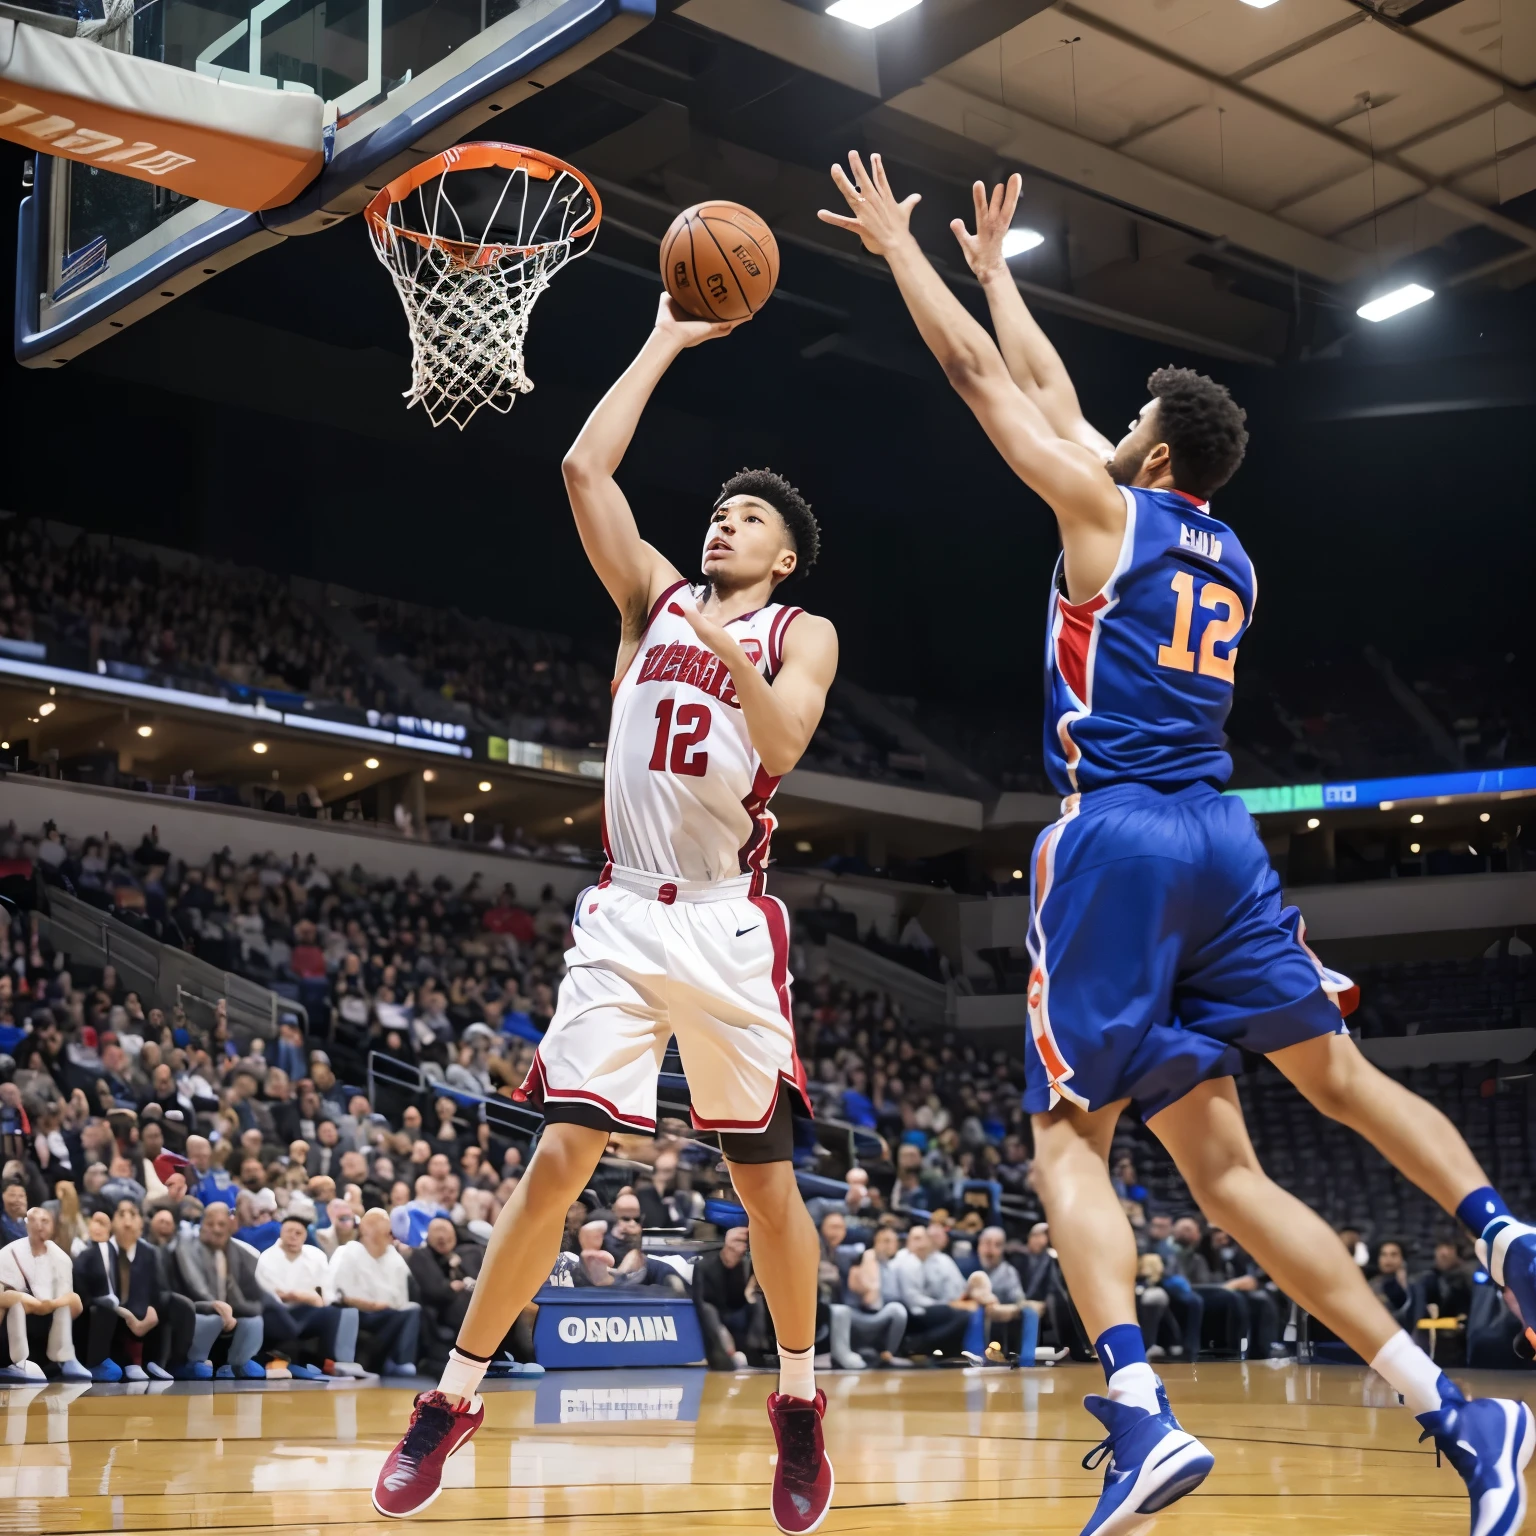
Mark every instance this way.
x=781 y=716
x=1035 y=365
x=1071 y=479
x=632 y=571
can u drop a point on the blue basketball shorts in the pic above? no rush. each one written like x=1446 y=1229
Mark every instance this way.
x=1162 y=950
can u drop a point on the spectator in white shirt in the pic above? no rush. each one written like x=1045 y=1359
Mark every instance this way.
x=371 y=1276
x=941 y=1275
x=932 y=1324
x=292 y=1274
x=38 y=1297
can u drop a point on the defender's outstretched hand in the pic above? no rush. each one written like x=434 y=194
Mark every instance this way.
x=879 y=220
x=674 y=322
x=983 y=251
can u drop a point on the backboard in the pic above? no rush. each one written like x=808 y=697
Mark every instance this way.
x=407 y=78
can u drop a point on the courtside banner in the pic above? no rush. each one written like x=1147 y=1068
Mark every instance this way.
x=600 y=1328
x=667 y=1396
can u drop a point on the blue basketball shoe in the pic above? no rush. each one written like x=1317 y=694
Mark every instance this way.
x=1152 y=1461
x=1507 y=1250
x=1489 y=1442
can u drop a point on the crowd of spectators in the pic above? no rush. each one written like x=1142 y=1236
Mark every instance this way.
x=406 y=967
x=1488 y=706
x=131 y=1116
x=91 y=599
x=95 y=600
x=522 y=682
x=196 y=623
x=180 y=1200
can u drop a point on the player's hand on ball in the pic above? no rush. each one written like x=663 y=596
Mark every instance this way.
x=879 y=220
x=983 y=251
x=676 y=323
x=712 y=636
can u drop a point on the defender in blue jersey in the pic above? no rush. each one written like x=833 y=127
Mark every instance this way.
x=1160 y=942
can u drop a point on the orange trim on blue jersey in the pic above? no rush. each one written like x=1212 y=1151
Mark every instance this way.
x=1057 y=1069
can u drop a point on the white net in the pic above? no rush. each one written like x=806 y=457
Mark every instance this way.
x=470 y=250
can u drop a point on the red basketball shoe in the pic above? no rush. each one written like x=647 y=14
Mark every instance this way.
x=412 y=1474
x=802 y=1480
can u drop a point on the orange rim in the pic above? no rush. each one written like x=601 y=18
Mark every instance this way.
x=471 y=157
x=464 y=252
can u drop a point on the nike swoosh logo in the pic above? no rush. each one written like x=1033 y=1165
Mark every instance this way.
x=752 y=929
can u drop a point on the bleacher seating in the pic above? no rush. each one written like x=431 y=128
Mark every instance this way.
x=1431 y=996
x=160 y=615
x=1334 y=720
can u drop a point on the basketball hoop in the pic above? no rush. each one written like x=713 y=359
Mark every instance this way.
x=470 y=260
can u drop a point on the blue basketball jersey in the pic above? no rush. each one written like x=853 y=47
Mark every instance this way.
x=1139 y=677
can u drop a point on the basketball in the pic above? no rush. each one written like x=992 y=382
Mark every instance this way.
x=719 y=261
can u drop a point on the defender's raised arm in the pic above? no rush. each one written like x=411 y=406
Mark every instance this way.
x=1034 y=363
x=1071 y=479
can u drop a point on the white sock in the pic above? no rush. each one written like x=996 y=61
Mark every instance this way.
x=1411 y=1372
x=797 y=1373
x=1136 y=1385
x=462 y=1375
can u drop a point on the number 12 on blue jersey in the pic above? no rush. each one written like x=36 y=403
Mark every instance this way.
x=1218 y=631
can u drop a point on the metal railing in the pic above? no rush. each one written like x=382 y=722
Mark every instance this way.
x=922 y=1000
x=164 y=977
x=851 y=1142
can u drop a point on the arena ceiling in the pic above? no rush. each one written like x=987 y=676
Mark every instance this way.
x=1232 y=178
x=1211 y=189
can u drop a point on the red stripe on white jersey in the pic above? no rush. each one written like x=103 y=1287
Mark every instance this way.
x=754 y=852
x=781 y=623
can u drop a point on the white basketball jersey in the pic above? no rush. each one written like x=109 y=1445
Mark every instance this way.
x=685 y=795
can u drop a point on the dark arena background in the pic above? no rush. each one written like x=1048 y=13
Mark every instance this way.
x=304 y=708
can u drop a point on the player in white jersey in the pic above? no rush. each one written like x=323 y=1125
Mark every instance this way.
x=717 y=692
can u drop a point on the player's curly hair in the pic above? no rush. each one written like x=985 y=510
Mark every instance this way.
x=1203 y=427
x=767 y=486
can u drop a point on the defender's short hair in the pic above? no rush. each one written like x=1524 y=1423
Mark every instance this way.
x=778 y=493
x=1203 y=427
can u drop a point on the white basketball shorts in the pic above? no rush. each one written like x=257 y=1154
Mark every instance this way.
x=653 y=958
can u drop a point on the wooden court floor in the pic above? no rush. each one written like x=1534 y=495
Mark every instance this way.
x=668 y=1453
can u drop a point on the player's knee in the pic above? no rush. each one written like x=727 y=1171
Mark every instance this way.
x=1331 y=1074
x=559 y=1171
x=1049 y=1172
x=1336 y=1090
x=768 y=1190
x=1064 y=1149
x=1232 y=1195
